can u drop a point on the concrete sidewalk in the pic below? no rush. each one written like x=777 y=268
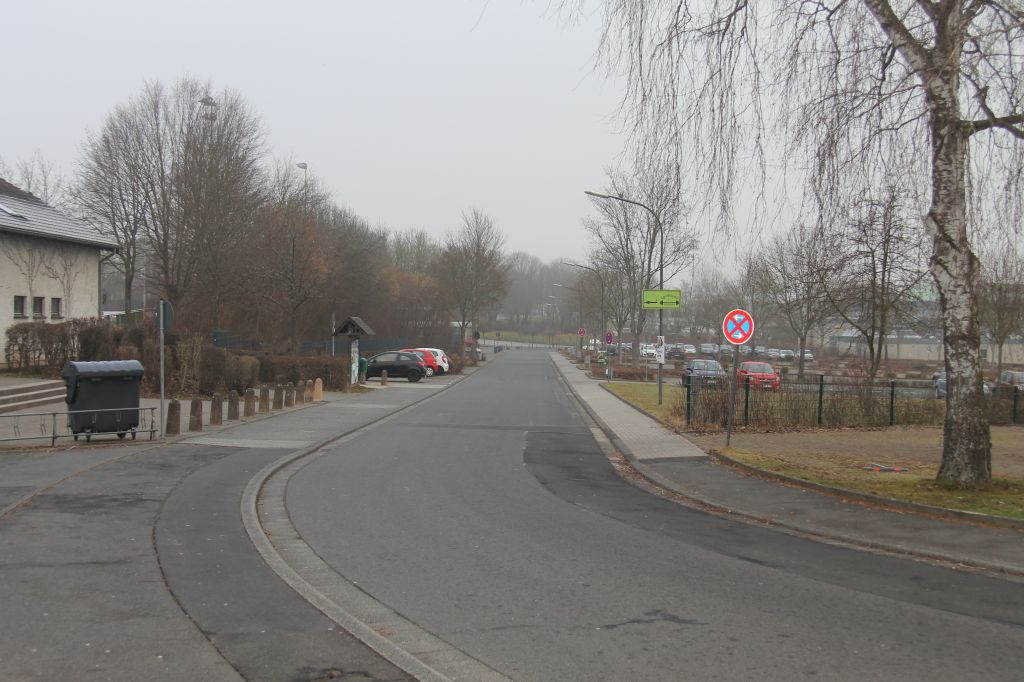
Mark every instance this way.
x=675 y=463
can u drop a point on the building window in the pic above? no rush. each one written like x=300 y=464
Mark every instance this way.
x=56 y=308
x=19 y=306
x=38 y=306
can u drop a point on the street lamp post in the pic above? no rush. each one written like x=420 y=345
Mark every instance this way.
x=601 y=280
x=661 y=268
x=575 y=291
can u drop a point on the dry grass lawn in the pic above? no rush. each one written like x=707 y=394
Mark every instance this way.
x=838 y=458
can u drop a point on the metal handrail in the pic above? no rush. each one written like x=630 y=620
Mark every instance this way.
x=48 y=422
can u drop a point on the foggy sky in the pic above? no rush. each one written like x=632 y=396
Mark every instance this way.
x=408 y=111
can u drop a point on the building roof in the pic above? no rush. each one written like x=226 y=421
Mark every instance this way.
x=23 y=213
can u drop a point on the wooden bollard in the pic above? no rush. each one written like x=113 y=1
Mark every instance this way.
x=217 y=410
x=233 y=405
x=278 y=397
x=249 y=405
x=264 y=398
x=309 y=391
x=173 y=426
x=289 y=395
x=383 y=377
x=300 y=392
x=195 y=415
x=318 y=390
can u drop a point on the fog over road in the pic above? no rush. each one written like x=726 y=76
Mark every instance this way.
x=489 y=516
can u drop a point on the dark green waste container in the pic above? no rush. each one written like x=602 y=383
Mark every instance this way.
x=103 y=397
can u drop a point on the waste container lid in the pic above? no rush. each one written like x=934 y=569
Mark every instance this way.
x=102 y=368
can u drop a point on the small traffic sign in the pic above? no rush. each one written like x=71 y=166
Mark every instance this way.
x=738 y=326
x=661 y=299
x=609 y=337
x=582 y=331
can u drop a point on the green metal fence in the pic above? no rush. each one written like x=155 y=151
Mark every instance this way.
x=818 y=402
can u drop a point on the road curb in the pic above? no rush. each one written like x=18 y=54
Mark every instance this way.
x=888 y=502
x=380 y=637
x=760 y=519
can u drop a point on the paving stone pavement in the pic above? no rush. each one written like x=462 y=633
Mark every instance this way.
x=643 y=438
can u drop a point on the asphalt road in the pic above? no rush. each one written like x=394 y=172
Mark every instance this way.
x=489 y=517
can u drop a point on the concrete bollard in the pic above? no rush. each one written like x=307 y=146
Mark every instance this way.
x=249 y=405
x=300 y=392
x=217 y=410
x=309 y=391
x=383 y=377
x=264 y=398
x=233 y=405
x=278 y=397
x=318 y=390
x=195 y=415
x=289 y=395
x=173 y=426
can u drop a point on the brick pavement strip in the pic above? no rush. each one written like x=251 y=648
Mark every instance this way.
x=644 y=437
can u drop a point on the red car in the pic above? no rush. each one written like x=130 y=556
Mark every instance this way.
x=762 y=375
x=428 y=359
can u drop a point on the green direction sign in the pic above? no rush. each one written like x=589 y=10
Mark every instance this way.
x=662 y=299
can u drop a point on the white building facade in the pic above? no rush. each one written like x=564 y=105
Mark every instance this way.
x=49 y=263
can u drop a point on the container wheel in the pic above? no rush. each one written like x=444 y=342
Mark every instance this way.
x=88 y=438
x=121 y=434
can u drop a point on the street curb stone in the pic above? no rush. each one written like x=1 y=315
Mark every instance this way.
x=807 y=530
x=900 y=505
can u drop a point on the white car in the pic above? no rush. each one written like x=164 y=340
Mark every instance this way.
x=647 y=350
x=439 y=355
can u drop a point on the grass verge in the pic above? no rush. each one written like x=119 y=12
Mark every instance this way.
x=1005 y=497
x=837 y=458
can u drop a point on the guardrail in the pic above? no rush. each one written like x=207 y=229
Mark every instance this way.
x=49 y=426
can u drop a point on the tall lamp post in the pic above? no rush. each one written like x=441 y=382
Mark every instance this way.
x=575 y=291
x=661 y=268
x=601 y=280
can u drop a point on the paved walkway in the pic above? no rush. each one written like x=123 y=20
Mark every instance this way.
x=677 y=464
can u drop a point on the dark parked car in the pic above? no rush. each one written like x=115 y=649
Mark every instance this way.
x=397 y=364
x=1007 y=382
x=674 y=352
x=706 y=372
x=942 y=385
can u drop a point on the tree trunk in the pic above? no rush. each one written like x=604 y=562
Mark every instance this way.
x=966 y=450
x=127 y=292
x=800 y=361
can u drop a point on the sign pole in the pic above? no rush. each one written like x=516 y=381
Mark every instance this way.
x=163 y=323
x=738 y=327
x=732 y=395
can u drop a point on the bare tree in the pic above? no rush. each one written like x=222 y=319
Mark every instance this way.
x=41 y=178
x=288 y=259
x=109 y=191
x=525 y=288
x=30 y=258
x=871 y=271
x=473 y=270
x=642 y=238
x=847 y=80
x=789 y=273
x=1002 y=295
x=63 y=265
x=196 y=163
